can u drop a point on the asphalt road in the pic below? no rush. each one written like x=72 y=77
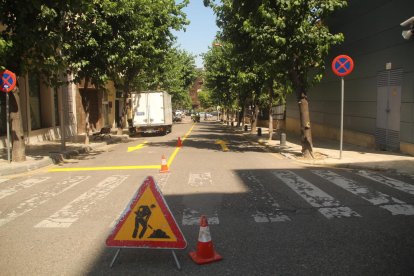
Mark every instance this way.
x=267 y=215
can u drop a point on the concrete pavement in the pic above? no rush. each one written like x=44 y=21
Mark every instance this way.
x=326 y=153
x=46 y=153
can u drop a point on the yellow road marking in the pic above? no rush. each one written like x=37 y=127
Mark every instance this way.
x=137 y=147
x=223 y=145
x=110 y=168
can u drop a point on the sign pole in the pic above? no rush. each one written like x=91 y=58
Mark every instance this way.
x=8 y=127
x=342 y=117
x=342 y=66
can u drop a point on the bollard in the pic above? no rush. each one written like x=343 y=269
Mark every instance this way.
x=259 y=131
x=283 y=139
x=245 y=127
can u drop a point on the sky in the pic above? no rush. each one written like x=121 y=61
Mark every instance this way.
x=200 y=33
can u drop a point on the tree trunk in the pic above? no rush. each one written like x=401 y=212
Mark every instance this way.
x=86 y=109
x=305 y=125
x=254 y=119
x=17 y=134
x=271 y=95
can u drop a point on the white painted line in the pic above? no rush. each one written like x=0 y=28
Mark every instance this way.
x=200 y=179
x=326 y=204
x=395 y=206
x=192 y=217
x=40 y=198
x=393 y=183
x=162 y=179
x=82 y=205
x=20 y=186
x=266 y=207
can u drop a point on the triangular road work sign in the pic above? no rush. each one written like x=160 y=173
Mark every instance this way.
x=147 y=222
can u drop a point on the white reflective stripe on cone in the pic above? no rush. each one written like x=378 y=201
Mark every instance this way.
x=204 y=235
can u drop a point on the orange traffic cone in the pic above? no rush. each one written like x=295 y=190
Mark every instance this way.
x=205 y=251
x=179 y=144
x=164 y=166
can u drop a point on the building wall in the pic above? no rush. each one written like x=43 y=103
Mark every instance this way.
x=373 y=39
x=50 y=128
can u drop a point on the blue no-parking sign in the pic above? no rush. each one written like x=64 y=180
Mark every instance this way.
x=342 y=65
x=7 y=81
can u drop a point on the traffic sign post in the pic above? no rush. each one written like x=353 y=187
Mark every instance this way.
x=342 y=66
x=7 y=84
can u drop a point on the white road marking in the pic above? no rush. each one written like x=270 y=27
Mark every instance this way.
x=394 y=205
x=327 y=205
x=41 y=198
x=192 y=217
x=200 y=179
x=81 y=205
x=162 y=179
x=393 y=183
x=20 y=186
x=266 y=207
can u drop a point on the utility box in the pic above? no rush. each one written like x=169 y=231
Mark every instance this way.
x=151 y=112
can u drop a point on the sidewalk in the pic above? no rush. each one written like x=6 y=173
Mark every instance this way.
x=45 y=153
x=327 y=154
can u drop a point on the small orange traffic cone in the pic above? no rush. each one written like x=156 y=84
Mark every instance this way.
x=179 y=144
x=205 y=251
x=164 y=166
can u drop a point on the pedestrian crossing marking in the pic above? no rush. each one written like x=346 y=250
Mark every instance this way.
x=21 y=185
x=326 y=204
x=392 y=204
x=40 y=198
x=393 y=183
x=69 y=214
x=192 y=217
x=267 y=209
x=147 y=222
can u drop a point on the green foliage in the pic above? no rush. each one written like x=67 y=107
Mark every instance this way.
x=175 y=74
x=275 y=44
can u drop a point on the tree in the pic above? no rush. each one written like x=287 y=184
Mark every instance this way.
x=288 y=39
x=141 y=37
x=175 y=74
x=31 y=41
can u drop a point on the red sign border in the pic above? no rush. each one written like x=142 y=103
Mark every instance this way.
x=181 y=243
x=351 y=68
x=13 y=76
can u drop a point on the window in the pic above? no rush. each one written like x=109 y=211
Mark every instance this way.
x=34 y=99
x=56 y=106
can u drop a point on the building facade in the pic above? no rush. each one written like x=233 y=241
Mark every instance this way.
x=379 y=93
x=43 y=109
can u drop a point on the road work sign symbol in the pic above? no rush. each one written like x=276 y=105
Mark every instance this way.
x=147 y=222
x=342 y=65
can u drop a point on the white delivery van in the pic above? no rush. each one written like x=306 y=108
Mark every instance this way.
x=151 y=112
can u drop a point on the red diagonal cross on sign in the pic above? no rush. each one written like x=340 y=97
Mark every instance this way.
x=342 y=65
x=343 y=61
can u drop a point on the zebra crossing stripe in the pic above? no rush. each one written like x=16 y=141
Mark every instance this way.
x=267 y=209
x=327 y=205
x=82 y=204
x=192 y=217
x=41 y=198
x=393 y=183
x=21 y=185
x=393 y=205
